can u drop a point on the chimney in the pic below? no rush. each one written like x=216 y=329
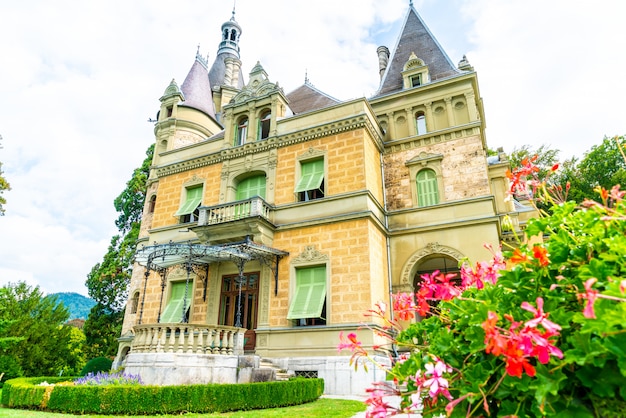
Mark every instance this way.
x=383 y=59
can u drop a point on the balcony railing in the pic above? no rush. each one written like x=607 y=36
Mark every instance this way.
x=241 y=209
x=188 y=338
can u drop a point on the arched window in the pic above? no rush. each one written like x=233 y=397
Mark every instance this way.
x=134 y=303
x=242 y=131
x=427 y=189
x=420 y=121
x=152 y=204
x=250 y=187
x=264 y=124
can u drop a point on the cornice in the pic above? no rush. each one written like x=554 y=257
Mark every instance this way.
x=360 y=121
x=435 y=137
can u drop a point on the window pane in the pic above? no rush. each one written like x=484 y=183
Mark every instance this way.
x=312 y=175
x=310 y=295
x=173 y=312
x=192 y=201
x=427 y=190
x=250 y=187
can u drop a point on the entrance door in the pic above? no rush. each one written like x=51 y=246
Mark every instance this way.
x=236 y=311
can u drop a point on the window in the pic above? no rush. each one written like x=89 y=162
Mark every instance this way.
x=134 y=303
x=264 y=124
x=311 y=183
x=242 y=131
x=152 y=204
x=427 y=189
x=416 y=80
x=189 y=211
x=177 y=309
x=250 y=187
x=308 y=306
x=420 y=121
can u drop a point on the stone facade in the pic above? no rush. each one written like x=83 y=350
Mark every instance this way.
x=348 y=201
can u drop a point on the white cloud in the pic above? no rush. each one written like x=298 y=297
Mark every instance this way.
x=80 y=80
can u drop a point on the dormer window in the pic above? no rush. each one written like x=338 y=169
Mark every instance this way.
x=414 y=72
x=242 y=131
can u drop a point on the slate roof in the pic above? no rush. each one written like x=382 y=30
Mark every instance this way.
x=197 y=90
x=307 y=98
x=415 y=37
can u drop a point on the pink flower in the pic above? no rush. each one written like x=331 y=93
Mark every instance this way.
x=540 y=317
x=591 y=295
x=403 y=306
x=437 y=384
x=350 y=342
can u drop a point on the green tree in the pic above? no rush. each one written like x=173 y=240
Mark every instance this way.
x=604 y=165
x=40 y=342
x=4 y=186
x=107 y=282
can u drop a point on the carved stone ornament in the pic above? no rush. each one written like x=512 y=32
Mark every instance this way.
x=310 y=254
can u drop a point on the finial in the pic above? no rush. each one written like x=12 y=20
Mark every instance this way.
x=233 y=16
x=410 y=3
x=306 y=76
x=198 y=50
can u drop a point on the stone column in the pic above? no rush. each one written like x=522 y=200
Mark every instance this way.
x=410 y=117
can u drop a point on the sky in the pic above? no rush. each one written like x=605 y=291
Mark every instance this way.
x=81 y=79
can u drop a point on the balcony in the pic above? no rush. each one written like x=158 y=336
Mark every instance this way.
x=234 y=220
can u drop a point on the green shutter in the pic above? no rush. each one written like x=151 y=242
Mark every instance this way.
x=310 y=295
x=192 y=201
x=250 y=187
x=311 y=175
x=427 y=190
x=173 y=312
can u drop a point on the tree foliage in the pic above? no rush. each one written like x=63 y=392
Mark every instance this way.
x=4 y=186
x=107 y=282
x=602 y=166
x=39 y=342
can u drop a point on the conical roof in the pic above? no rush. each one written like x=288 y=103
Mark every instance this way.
x=415 y=38
x=197 y=89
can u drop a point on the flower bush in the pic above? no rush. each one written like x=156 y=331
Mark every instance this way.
x=539 y=330
x=103 y=378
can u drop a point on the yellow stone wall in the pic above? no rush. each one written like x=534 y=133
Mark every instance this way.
x=353 y=258
x=170 y=192
x=344 y=153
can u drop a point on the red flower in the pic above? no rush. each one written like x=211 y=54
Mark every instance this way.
x=404 y=306
x=541 y=254
x=518 y=257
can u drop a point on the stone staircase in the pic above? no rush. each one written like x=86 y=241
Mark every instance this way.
x=279 y=374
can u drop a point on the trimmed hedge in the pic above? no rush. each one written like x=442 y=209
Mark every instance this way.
x=152 y=400
x=95 y=365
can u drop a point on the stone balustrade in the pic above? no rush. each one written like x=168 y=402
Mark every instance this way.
x=255 y=206
x=188 y=339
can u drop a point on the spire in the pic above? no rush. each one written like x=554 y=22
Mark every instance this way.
x=226 y=68
x=415 y=37
x=196 y=88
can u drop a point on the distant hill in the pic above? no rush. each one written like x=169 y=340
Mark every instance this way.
x=78 y=305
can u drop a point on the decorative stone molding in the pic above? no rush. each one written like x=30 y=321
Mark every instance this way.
x=309 y=255
x=431 y=248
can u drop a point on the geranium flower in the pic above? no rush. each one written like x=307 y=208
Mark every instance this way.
x=540 y=317
x=541 y=254
x=591 y=295
x=403 y=306
x=350 y=342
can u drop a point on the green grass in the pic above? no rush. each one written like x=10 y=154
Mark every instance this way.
x=323 y=407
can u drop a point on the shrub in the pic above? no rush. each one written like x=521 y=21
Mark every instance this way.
x=542 y=335
x=98 y=364
x=153 y=400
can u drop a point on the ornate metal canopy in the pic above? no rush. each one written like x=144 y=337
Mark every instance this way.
x=160 y=256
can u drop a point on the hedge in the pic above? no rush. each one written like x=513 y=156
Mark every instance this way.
x=152 y=400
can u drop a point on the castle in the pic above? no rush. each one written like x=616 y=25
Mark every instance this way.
x=273 y=221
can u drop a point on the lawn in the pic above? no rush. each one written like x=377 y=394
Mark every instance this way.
x=323 y=407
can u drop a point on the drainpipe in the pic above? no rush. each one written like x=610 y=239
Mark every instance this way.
x=388 y=243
